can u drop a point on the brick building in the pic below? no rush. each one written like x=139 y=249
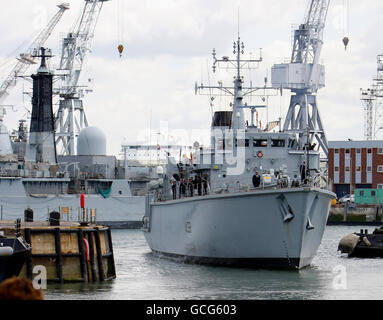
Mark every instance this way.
x=355 y=164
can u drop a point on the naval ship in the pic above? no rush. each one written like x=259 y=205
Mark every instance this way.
x=253 y=199
x=34 y=177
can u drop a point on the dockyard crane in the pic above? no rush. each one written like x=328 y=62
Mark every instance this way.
x=76 y=45
x=26 y=59
x=304 y=76
x=372 y=104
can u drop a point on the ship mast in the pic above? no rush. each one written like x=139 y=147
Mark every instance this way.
x=238 y=113
x=238 y=91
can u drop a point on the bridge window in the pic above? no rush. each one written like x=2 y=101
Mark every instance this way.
x=260 y=143
x=278 y=143
x=291 y=143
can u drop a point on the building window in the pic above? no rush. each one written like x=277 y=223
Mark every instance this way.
x=336 y=150
x=380 y=168
x=336 y=169
x=347 y=169
x=369 y=151
x=361 y=193
x=357 y=150
x=380 y=186
x=368 y=169
x=373 y=193
x=347 y=154
x=380 y=150
x=358 y=168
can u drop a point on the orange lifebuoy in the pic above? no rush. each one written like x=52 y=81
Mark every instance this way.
x=87 y=249
x=260 y=154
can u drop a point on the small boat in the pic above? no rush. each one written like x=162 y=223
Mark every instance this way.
x=363 y=244
x=13 y=251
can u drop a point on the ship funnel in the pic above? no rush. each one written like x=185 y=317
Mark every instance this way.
x=41 y=146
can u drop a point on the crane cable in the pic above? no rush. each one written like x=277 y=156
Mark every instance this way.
x=346 y=23
x=120 y=26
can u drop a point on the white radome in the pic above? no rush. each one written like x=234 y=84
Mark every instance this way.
x=91 y=142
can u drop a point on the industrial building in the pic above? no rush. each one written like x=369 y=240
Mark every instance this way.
x=355 y=165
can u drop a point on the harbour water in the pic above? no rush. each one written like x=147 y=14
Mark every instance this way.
x=141 y=276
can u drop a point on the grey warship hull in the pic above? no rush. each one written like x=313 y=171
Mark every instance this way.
x=119 y=210
x=280 y=228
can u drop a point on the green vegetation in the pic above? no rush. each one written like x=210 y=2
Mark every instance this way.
x=335 y=217
x=350 y=217
x=356 y=217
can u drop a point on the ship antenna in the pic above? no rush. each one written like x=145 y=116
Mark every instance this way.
x=238 y=21
x=238 y=91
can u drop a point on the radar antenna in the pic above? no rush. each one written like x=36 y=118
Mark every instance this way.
x=238 y=91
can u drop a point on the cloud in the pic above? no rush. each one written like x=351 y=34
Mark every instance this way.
x=168 y=47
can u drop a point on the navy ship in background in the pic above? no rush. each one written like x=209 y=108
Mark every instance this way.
x=33 y=176
x=253 y=199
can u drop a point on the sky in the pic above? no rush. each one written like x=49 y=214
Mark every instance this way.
x=168 y=46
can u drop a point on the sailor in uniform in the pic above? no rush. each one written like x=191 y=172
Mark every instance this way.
x=190 y=186
x=174 y=189
x=256 y=180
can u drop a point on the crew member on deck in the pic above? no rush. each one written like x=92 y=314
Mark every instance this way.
x=174 y=189
x=205 y=185
x=198 y=184
x=256 y=180
x=190 y=187
x=303 y=172
x=182 y=188
x=295 y=182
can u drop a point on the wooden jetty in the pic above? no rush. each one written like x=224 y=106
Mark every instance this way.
x=70 y=251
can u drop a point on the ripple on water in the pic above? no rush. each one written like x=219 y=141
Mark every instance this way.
x=141 y=275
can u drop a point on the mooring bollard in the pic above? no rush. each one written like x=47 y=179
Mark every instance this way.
x=54 y=218
x=28 y=215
